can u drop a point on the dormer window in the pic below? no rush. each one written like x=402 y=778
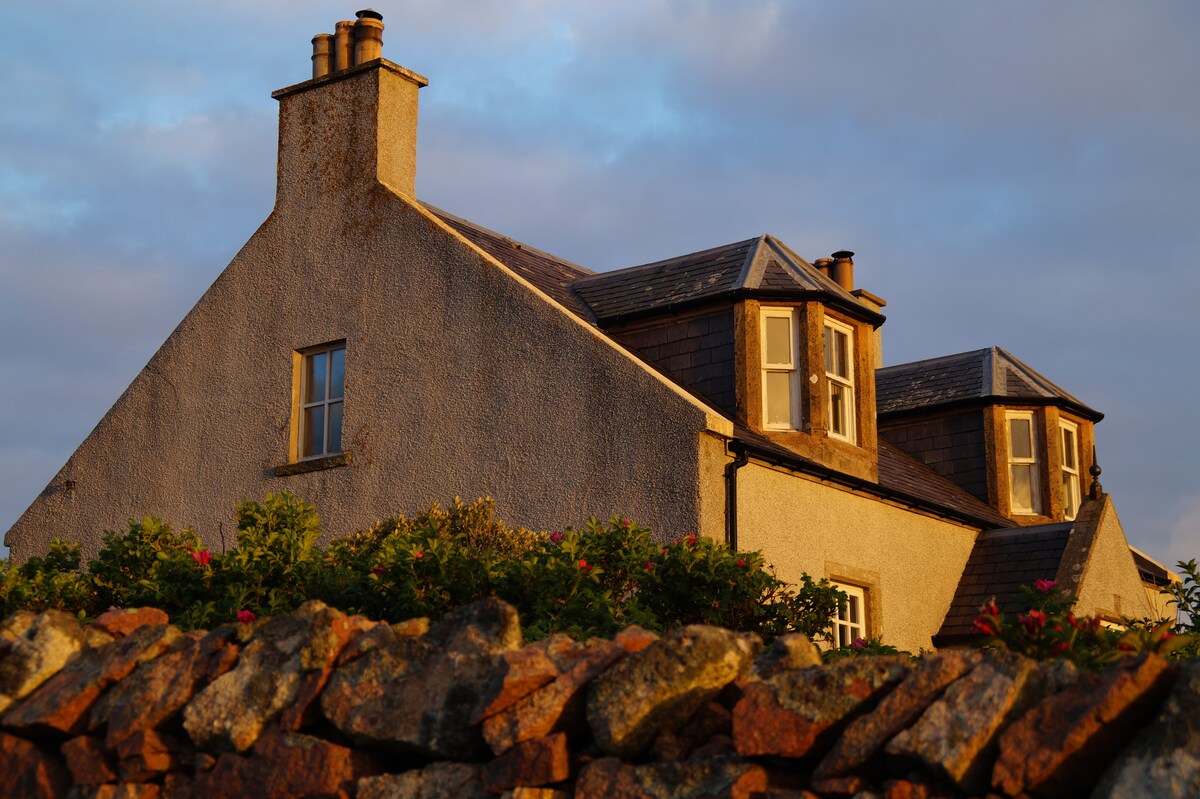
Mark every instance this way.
x=780 y=375
x=1070 y=468
x=1024 y=492
x=839 y=374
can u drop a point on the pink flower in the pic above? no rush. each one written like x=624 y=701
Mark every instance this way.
x=624 y=522
x=560 y=600
x=377 y=570
x=858 y=644
x=584 y=565
x=202 y=557
x=245 y=617
x=556 y=537
x=1045 y=586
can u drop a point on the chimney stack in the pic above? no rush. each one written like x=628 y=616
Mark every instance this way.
x=822 y=265
x=842 y=270
x=353 y=125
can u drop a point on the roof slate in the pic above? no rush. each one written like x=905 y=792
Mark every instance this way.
x=990 y=373
x=1000 y=563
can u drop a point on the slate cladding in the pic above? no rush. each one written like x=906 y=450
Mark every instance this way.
x=1001 y=562
x=990 y=374
x=696 y=352
x=951 y=444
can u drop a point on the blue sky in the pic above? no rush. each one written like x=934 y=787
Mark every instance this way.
x=1020 y=174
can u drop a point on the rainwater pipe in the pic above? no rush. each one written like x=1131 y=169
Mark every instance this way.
x=740 y=458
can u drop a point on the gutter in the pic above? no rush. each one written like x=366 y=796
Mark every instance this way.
x=741 y=458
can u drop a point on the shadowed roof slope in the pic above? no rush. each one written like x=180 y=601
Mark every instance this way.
x=1001 y=562
x=550 y=274
x=761 y=266
x=968 y=377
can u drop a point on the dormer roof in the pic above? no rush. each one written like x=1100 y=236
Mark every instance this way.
x=760 y=267
x=969 y=378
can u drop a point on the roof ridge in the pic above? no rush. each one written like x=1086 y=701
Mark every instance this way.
x=754 y=266
x=927 y=361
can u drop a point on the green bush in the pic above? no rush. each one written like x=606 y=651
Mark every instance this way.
x=1047 y=628
x=593 y=581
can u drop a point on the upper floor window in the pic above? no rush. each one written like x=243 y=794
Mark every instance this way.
x=839 y=373
x=850 y=621
x=1024 y=492
x=322 y=378
x=1070 y=468
x=780 y=375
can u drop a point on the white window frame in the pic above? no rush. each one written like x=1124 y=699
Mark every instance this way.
x=850 y=620
x=1072 y=495
x=790 y=367
x=325 y=402
x=1035 y=483
x=846 y=382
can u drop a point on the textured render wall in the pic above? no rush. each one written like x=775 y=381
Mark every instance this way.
x=1098 y=567
x=460 y=379
x=910 y=564
x=951 y=445
x=698 y=352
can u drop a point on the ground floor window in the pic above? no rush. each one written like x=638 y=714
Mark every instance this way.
x=850 y=623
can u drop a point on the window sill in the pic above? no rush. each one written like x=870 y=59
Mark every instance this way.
x=313 y=465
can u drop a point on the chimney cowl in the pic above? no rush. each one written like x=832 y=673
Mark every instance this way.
x=842 y=269
x=369 y=13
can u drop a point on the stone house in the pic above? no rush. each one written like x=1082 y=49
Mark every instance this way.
x=373 y=354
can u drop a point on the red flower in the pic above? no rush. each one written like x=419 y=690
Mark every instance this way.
x=1045 y=586
x=990 y=609
x=560 y=600
x=1059 y=648
x=377 y=570
x=649 y=566
x=741 y=563
x=1071 y=620
x=690 y=541
x=556 y=537
x=584 y=565
x=984 y=626
x=1033 y=621
x=245 y=617
x=202 y=557
x=665 y=550
x=1125 y=647
x=420 y=553
x=858 y=644
x=624 y=522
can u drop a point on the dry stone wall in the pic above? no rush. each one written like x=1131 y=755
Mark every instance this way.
x=320 y=704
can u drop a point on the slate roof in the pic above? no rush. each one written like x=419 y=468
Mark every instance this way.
x=762 y=265
x=550 y=274
x=1001 y=562
x=900 y=476
x=987 y=374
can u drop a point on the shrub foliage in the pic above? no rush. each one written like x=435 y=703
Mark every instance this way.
x=592 y=581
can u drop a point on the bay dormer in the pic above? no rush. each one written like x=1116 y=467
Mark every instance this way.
x=786 y=347
x=996 y=427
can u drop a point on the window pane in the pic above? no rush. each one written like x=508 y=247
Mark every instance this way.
x=837 y=408
x=1022 y=486
x=853 y=603
x=335 y=427
x=337 y=372
x=1070 y=495
x=314 y=377
x=778 y=387
x=1019 y=437
x=779 y=339
x=314 y=431
x=837 y=353
x=1069 y=448
x=829 y=349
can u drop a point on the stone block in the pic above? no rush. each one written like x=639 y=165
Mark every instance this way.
x=534 y=763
